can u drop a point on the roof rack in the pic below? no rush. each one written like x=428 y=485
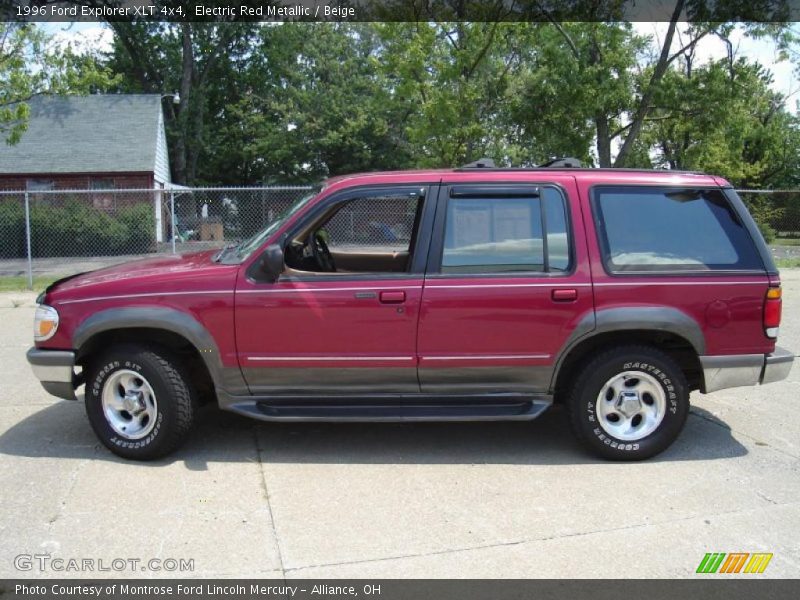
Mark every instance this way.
x=567 y=161
x=556 y=163
x=481 y=163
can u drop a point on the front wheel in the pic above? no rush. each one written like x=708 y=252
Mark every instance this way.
x=139 y=403
x=629 y=403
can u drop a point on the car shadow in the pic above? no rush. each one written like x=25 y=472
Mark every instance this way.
x=62 y=431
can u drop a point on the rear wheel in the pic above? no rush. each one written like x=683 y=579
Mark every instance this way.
x=139 y=402
x=629 y=403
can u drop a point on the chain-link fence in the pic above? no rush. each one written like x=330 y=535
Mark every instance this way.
x=776 y=211
x=60 y=232
x=54 y=233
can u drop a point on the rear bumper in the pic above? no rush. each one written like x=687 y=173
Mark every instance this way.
x=777 y=366
x=738 y=370
x=55 y=369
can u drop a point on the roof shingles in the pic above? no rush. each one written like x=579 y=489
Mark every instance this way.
x=87 y=134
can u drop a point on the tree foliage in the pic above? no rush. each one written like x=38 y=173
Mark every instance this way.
x=724 y=118
x=32 y=64
x=295 y=102
x=315 y=103
x=200 y=62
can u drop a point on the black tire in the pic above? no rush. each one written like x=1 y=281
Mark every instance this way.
x=174 y=409
x=584 y=395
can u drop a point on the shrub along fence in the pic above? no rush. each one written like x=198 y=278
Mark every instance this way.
x=61 y=232
x=777 y=212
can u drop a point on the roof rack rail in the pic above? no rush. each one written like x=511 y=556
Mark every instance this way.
x=567 y=161
x=481 y=163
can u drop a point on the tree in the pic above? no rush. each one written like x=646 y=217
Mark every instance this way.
x=577 y=87
x=723 y=118
x=197 y=60
x=314 y=104
x=32 y=64
x=453 y=79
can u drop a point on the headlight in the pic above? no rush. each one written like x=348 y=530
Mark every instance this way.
x=45 y=323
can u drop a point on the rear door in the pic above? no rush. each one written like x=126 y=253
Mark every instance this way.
x=507 y=283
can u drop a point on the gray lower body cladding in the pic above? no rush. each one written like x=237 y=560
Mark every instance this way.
x=738 y=370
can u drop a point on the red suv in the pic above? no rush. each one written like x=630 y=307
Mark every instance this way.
x=469 y=294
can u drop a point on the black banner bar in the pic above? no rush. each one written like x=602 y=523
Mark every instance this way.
x=712 y=587
x=398 y=10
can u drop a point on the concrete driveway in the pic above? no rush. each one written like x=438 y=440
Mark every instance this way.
x=249 y=499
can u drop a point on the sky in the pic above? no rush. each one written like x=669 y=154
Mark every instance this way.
x=785 y=80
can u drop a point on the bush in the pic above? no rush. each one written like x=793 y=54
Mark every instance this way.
x=765 y=212
x=767 y=231
x=12 y=228
x=76 y=229
x=140 y=224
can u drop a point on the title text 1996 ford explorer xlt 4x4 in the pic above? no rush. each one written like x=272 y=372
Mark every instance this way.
x=468 y=294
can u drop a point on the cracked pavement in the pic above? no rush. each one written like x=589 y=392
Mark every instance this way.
x=248 y=499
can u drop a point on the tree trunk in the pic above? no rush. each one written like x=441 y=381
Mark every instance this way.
x=181 y=174
x=603 y=139
x=647 y=97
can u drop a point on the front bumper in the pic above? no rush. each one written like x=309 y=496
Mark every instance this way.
x=55 y=369
x=738 y=370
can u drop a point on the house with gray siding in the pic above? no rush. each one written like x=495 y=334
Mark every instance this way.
x=102 y=143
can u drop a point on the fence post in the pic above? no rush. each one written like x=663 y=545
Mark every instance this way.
x=172 y=217
x=28 y=239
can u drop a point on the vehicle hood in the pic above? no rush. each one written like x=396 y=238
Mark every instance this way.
x=160 y=273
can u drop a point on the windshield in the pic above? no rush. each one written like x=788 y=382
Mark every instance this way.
x=248 y=246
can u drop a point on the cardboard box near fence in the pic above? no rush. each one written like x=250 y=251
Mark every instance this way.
x=211 y=232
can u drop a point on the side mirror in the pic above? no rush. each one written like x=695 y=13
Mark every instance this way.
x=271 y=262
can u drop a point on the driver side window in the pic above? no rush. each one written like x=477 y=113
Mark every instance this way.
x=368 y=234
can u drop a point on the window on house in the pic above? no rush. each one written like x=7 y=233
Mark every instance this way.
x=505 y=230
x=102 y=183
x=36 y=187
x=40 y=185
x=105 y=198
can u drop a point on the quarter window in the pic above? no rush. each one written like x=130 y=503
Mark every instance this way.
x=488 y=233
x=658 y=229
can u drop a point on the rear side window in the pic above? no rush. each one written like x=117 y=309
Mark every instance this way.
x=497 y=233
x=671 y=229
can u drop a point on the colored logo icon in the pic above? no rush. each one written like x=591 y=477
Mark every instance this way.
x=734 y=562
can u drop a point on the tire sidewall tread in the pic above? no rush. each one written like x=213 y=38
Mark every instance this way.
x=597 y=371
x=174 y=395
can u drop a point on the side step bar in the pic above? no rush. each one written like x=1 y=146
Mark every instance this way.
x=402 y=409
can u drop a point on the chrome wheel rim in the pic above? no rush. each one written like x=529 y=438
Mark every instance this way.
x=631 y=405
x=129 y=404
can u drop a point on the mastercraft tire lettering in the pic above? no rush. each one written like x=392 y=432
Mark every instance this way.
x=628 y=403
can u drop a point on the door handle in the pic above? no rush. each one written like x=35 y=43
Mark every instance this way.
x=564 y=295
x=393 y=297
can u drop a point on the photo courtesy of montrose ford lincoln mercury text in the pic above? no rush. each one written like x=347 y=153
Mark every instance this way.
x=470 y=294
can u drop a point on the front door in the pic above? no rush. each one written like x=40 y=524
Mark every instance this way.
x=507 y=284
x=348 y=325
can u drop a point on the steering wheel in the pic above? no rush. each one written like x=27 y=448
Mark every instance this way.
x=321 y=252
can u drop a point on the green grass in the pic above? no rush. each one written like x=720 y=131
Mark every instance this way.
x=787 y=263
x=19 y=283
x=786 y=242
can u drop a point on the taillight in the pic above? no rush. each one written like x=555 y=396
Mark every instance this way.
x=772 y=312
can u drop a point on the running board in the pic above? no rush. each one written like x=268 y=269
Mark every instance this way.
x=403 y=409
